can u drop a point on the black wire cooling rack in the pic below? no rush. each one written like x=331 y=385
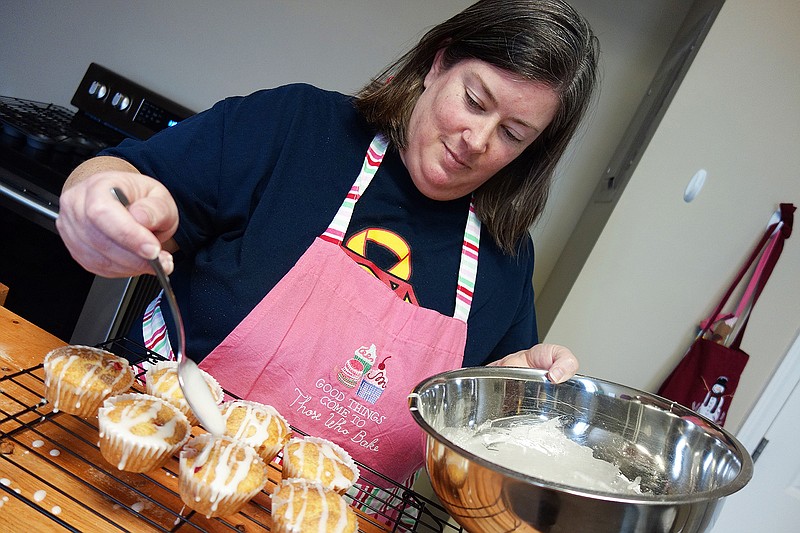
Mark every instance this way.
x=39 y=445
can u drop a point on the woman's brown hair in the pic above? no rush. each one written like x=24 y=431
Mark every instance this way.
x=545 y=41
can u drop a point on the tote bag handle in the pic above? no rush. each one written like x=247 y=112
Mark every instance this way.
x=776 y=234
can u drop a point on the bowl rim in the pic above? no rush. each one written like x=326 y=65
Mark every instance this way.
x=650 y=399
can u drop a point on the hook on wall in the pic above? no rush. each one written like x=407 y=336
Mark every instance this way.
x=775 y=218
x=694 y=185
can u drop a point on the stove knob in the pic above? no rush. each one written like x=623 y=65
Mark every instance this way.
x=120 y=101
x=98 y=90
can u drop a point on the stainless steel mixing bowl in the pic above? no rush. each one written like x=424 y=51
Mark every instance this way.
x=687 y=463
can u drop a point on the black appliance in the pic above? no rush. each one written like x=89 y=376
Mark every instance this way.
x=40 y=144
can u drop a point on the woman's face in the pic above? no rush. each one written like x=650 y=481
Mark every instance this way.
x=471 y=121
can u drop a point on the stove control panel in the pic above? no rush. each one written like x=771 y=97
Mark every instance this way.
x=124 y=105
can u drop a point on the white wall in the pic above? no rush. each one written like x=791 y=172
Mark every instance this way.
x=199 y=51
x=661 y=264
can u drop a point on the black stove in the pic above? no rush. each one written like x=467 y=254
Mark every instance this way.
x=39 y=147
x=40 y=144
x=46 y=127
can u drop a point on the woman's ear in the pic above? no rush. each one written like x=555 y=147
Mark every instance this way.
x=436 y=68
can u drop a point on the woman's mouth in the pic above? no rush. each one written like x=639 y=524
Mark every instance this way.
x=456 y=159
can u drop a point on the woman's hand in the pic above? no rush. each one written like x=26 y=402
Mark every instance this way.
x=560 y=363
x=105 y=237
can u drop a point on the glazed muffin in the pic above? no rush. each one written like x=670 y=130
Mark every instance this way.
x=78 y=378
x=301 y=505
x=162 y=381
x=319 y=460
x=219 y=475
x=256 y=424
x=139 y=432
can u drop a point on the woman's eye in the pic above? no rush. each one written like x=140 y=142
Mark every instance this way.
x=472 y=102
x=511 y=135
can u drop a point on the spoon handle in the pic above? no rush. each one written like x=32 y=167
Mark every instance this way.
x=193 y=385
x=163 y=279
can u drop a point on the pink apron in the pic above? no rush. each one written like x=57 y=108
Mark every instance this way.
x=337 y=352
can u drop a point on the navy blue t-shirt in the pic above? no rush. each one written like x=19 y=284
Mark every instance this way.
x=258 y=178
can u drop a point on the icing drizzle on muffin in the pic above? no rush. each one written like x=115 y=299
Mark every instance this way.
x=142 y=422
x=82 y=375
x=300 y=505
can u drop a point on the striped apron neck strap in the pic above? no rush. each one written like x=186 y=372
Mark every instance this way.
x=338 y=226
x=468 y=269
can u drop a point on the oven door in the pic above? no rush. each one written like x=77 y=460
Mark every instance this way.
x=48 y=287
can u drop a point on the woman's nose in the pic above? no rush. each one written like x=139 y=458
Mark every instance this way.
x=477 y=135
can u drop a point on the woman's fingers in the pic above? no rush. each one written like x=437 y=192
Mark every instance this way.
x=110 y=239
x=559 y=361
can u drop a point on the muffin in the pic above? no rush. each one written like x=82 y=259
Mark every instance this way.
x=78 y=378
x=139 y=432
x=256 y=424
x=162 y=382
x=219 y=475
x=319 y=460
x=301 y=505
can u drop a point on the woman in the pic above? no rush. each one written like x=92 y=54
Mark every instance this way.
x=291 y=211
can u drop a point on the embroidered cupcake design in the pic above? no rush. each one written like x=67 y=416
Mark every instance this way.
x=366 y=356
x=350 y=373
x=354 y=369
x=374 y=383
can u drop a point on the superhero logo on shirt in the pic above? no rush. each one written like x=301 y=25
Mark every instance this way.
x=394 y=275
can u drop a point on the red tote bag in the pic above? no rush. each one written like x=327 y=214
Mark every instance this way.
x=707 y=376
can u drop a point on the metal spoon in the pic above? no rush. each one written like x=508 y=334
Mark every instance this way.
x=194 y=386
